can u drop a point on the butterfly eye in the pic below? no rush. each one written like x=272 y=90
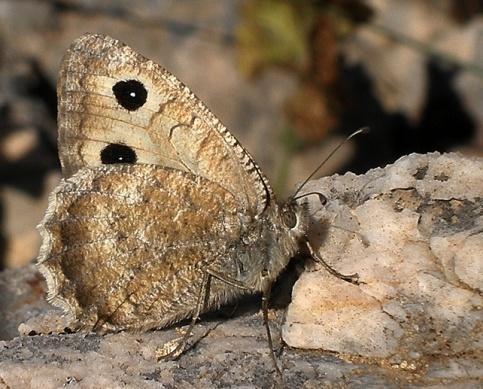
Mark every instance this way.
x=289 y=218
x=117 y=153
x=130 y=94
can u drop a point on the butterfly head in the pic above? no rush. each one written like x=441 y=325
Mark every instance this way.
x=294 y=217
x=286 y=230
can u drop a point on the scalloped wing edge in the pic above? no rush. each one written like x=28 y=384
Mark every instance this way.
x=53 y=293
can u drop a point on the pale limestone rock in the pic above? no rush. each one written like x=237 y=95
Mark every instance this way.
x=344 y=313
x=417 y=245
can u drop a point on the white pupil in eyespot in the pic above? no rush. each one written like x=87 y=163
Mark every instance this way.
x=132 y=94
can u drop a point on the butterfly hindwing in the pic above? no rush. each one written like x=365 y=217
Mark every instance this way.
x=111 y=269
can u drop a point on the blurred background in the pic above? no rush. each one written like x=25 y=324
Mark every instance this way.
x=289 y=78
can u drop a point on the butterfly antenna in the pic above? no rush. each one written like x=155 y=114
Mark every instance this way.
x=363 y=130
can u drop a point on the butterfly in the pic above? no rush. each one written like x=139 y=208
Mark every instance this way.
x=161 y=214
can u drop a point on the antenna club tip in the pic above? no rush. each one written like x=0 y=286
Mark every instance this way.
x=362 y=130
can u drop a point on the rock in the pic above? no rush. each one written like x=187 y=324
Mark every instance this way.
x=394 y=50
x=415 y=319
x=21 y=214
x=23 y=298
x=413 y=232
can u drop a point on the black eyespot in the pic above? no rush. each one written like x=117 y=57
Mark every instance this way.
x=130 y=94
x=289 y=218
x=118 y=153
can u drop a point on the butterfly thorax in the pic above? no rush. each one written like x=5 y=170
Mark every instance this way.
x=269 y=243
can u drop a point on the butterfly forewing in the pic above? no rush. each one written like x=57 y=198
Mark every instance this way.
x=109 y=94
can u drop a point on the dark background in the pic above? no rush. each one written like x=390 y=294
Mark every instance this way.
x=289 y=78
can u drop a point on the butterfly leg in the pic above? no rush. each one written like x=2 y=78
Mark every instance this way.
x=352 y=278
x=265 y=301
x=202 y=300
x=229 y=280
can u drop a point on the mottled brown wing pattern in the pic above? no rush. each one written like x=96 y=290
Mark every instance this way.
x=171 y=128
x=120 y=253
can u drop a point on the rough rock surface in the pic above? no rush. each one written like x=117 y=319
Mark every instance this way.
x=415 y=319
x=414 y=234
